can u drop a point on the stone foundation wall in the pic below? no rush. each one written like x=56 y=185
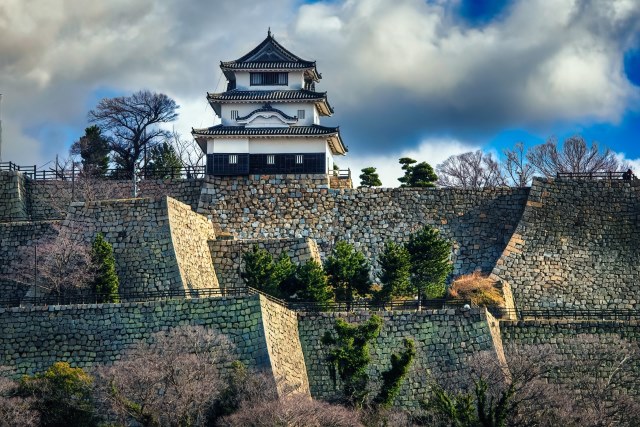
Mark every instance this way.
x=480 y=222
x=227 y=255
x=139 y=231
x=13 y=197
x=51 y=199
x=189 y=235
x=576 y=247
x=574 y=342
x=444 y=340
x=17 y=240
x=283 y=344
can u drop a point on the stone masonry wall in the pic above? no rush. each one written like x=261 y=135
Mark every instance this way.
x=50 y=199
x=264 y=334
x=574 y=342
x=480 y=222
x=189 y=234
x=577 y=246
x=13 y=197
x=283 y=344
x=444 y=340
x=16 y=239
x=138 y=230
x=227 y=255
x=31 y=339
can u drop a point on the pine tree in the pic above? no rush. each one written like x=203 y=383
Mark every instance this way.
x=348 y=272
x=395 y=265
x=259 y=271
x=164 y=162
x=312 y=283
x=105 y=283
x=369 y=178
x=93 y=149
x=417 y=175
x=430 y=262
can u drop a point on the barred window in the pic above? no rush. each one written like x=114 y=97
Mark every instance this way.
x=233 y=159
x=269 y=79
x=299 y=159
x=301 y=114
x=234 y=114
x=271 y=159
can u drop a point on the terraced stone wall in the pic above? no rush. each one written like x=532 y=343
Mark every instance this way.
x=147 y=259
x=189 y=235
x=480 y=222
x=575 y=342
x=444 y=340
x=227 y=255
x=50 y=199
x=576 y=247
x=13 y=197
x=17 y=241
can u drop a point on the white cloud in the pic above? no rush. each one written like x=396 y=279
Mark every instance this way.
x=433 y=151
x=401 y=69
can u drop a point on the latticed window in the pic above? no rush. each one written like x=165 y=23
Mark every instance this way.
x=234 y=114
x=301 y=114
x=299 y=159
x=233 y=159
x=271 y=159
x=269 y=79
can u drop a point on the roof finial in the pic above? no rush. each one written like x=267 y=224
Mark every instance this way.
x=269 y=32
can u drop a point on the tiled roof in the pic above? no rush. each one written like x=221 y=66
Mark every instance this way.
x=266 y=65
x=266 y=95
x=313 y=130
x=269 y=54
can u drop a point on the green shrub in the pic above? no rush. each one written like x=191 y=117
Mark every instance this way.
x=105 y=283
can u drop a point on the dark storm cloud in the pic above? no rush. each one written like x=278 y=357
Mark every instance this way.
x=398 y=73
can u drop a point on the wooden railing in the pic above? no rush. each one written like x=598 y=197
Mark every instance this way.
x=595 y=175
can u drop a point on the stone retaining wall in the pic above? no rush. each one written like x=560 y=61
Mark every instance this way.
x=13 y=197
x=285 y=351
x=574 y=342
x=480 y=222
x=159 y=244
x=17 y=241
x=227 y=255
x=444 y=340
x=576 y=247
x=189 y=235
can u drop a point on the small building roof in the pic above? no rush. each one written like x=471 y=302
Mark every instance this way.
x=270 y=56
x=332 y=133
x=249 y=96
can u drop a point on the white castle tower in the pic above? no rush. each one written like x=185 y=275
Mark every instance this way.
x=270 y=117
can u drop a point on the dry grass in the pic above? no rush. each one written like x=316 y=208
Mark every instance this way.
x=477 y=288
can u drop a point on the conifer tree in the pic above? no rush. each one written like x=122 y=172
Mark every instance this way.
x=260 y=270
x=430 y=262
x=105 y=283
x=369 y=178
x=417 y=175
x=312 y=283
x=348 y=272
x=395 y=265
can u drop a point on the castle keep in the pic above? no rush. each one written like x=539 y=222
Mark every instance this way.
x=559 y=245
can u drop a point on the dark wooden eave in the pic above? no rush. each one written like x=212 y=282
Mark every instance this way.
x=251 y=96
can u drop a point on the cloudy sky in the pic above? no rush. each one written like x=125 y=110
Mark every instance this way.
x=423 y=78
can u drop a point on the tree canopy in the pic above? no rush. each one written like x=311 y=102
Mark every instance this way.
x=132 y=122
x=417 y=174
x=430 y=262
x=93 y=149
x=348 y=272
x=369 y=178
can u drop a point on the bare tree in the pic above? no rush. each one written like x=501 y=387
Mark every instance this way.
x=56 y=264
x=470 y=170
x=15 y=411
x=517 y=169
x=132 y=122
x=172 y=380
x=190 y=153
x=294 y=410
x=574 y=156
